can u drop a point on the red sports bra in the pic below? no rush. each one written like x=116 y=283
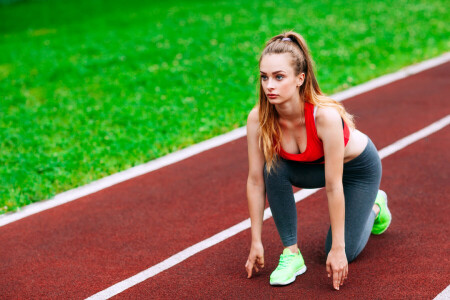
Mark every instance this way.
x=314 y=146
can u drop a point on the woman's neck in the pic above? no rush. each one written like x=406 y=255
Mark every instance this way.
x=291 y=111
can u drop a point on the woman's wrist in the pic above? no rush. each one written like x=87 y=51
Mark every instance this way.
x=256 y=241
x=338 y=247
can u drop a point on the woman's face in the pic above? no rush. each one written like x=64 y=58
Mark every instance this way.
x=278 y=79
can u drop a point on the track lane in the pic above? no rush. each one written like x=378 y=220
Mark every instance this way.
x=406 y=262
x=120 y=231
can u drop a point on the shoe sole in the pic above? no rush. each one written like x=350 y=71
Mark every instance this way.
x=389 y=212
x=292 y=279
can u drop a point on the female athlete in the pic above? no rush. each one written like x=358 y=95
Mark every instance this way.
x=298 y=136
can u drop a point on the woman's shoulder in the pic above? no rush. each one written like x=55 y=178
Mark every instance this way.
x=253 y=116
x=253 y=123
x=326 y=115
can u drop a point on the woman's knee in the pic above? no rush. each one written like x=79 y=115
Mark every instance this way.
x=351 y=255
x=351 y=249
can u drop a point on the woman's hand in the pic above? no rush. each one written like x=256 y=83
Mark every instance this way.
x=337 y=266
x=255 y=258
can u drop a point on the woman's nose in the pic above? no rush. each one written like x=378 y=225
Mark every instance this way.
x=270 y=84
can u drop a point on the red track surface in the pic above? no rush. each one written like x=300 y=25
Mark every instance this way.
x=82 y=247
x=406 y=262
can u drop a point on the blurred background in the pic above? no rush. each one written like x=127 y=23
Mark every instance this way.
x=89 y=88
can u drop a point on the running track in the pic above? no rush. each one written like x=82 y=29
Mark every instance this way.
x=78 y=249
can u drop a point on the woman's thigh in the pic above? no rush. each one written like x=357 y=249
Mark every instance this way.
x=361 y=182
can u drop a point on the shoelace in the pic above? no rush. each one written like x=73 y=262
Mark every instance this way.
x=285 y=260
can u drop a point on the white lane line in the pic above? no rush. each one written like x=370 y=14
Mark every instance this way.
x=389 y=78
x=400 y=144
x=444 y=295
x=108 y=181
x=215 y=239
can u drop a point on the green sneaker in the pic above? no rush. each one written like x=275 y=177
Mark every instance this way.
x=289 y=267
x=384 y=218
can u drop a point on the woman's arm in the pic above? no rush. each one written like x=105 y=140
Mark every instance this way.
x=256 y=195
x=329 y=130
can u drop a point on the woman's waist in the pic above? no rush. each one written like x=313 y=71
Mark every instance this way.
x=356 y=145
x=367 y=159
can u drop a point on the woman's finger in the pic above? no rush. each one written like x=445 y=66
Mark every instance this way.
x=329 y=270
x=260 y=261
x=339 y=279
x=336 y=279
x=249 y=267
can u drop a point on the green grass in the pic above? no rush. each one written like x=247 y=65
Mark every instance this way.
x=90 y=88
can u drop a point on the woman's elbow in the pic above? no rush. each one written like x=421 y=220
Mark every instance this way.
x=334 y=187
x=255 y=183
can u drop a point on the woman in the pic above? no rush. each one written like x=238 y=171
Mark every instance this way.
x=298 y=136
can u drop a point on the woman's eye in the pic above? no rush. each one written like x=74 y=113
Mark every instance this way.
x=278 y=77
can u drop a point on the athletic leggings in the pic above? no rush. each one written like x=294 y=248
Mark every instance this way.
x=361 y=180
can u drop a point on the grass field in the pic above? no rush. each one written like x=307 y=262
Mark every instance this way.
x=90 y=88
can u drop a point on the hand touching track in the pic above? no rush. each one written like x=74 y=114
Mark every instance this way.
x=337 y=267
x=255 y=259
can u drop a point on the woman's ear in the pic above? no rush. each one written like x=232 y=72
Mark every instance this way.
x=300 y=79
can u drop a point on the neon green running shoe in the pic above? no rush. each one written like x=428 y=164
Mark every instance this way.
x=289 y=267
x=384 y=218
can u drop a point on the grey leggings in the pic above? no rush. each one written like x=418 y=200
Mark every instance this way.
x=361 y=180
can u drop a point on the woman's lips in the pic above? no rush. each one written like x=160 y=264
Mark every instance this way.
x=272 y=96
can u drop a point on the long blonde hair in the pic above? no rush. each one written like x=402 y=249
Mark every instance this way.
x=269 y=128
